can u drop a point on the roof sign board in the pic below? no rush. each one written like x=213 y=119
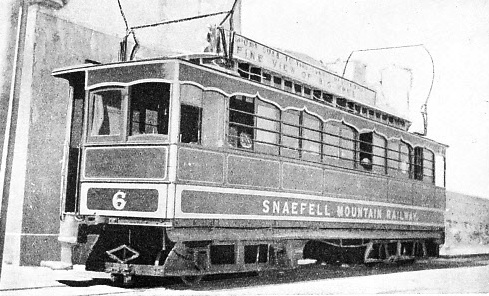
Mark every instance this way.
x=281 y=63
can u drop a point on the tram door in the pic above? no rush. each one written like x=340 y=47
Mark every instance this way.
x=71 y=169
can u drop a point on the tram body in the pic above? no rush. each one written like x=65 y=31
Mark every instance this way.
x=186 y=168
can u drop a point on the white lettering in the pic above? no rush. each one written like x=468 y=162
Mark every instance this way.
x=311 y=209
x=339 y=211
x=285 y=208
x=294 y=208
x=266 y=206
x=276 y=207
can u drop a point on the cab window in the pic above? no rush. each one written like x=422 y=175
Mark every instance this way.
x=149 y=109
x=106 y=114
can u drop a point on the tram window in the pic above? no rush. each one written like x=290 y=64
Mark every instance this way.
x=379 y=154
x=255 y=74
x=277 y=82
x=331 y=142
x=290 y=133
x=106 y=113
x=267 y=128
x=190 y=124
x=244 y=70
x=149 y=109
x=328 y=98
x=241 y=122
x=358 y=109
x=347 y=146
x=405 y=159
x=316 y=94
x=311 y=138
x=267 y=79
x=366 y=140
x=288 y=85
x=307 y=92
x=428 y=166
x=439 y=170
x=341 y=102
x=393 y=158
x=418 y=163
x=298 y=89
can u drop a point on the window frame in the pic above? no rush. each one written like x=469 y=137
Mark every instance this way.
x=122 y=136
x=418 y=163
x=199 y=123
x=147 y=137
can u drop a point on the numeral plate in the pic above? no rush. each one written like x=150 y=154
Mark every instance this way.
x=122 y=199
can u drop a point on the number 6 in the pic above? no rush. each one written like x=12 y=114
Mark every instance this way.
x=118 y=200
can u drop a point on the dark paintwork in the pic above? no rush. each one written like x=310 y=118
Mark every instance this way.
x=139 y=200
x=114 y=162
x=130 y=73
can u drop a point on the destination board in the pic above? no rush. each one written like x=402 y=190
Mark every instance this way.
x=288 y=66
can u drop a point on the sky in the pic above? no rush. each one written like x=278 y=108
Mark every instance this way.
x=455 y=33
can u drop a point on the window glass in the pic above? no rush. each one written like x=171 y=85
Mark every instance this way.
x=405 y=159
x=107 y=115
x=418 y=163
x=277 y=82
x=439 y=170
x=288 y=85
x=290 y=133
x=327 y=98
x=331 y=142
x=316 y=94
x=241 y=122
x=244 y=70
x=255 y=74
x=149 y=109
x=298 y=88
x=365 y=145
x=267 y=131
x=379 y=153
x=191 y=95
x=311 y=137
x=267 y=78
x=393 y=157
x=347 y=146
x=428 y=166
x=190 y=124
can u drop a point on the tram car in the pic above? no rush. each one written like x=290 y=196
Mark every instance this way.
x=243 y=158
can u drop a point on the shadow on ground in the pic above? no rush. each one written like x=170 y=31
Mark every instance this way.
x=311 y=272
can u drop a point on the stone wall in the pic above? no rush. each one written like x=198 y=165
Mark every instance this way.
x=466 y=225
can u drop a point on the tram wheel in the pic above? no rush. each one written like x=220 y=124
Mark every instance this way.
x=191 y=280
